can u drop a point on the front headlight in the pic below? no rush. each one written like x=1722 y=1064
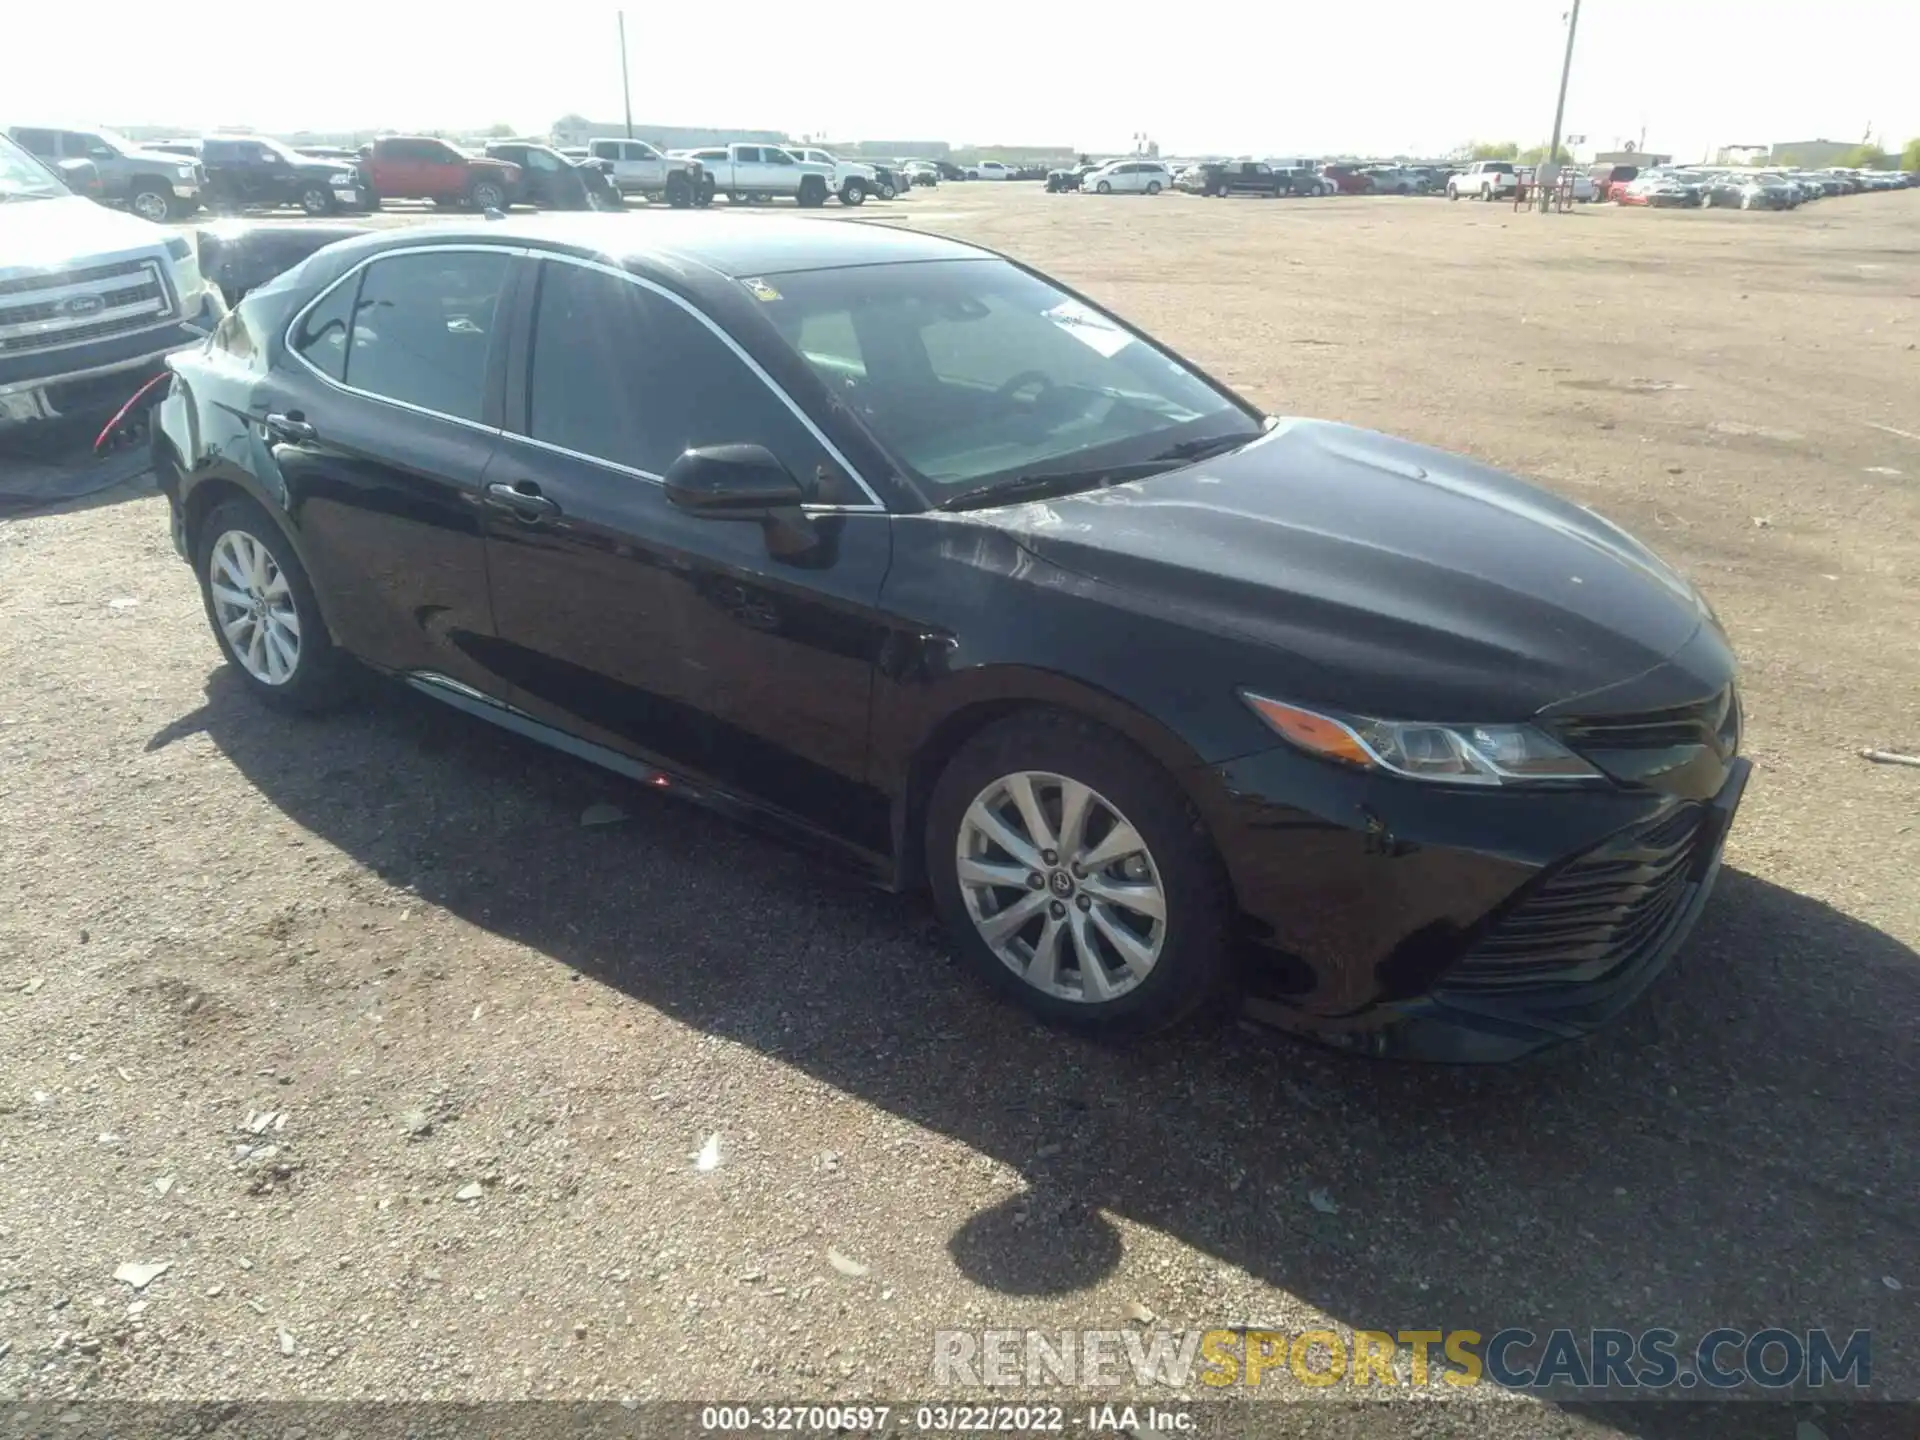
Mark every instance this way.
x=345 y=177
x=1421 y=750
x=185 y=172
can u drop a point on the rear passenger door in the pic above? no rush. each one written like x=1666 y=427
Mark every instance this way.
x=640 y=626
x=388 y=409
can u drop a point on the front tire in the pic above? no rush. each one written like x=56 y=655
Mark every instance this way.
x=679 y=192
x=1076 y=877
x=316 y=200
x=486 y=195
x=1103 y=188
x=854 y=192
x=263 y=612
x=151 y=202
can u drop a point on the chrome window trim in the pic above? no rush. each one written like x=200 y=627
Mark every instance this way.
x=634 y=472
x=620 y=273
x=300 y=317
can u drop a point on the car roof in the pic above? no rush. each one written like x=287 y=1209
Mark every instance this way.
x=736 y=246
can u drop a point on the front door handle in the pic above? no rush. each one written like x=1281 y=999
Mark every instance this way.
x=291 y=428
x=522 y=498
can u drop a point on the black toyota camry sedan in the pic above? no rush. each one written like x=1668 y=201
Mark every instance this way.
x=902 y=547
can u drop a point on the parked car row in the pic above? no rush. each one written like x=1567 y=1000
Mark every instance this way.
x=171 y=179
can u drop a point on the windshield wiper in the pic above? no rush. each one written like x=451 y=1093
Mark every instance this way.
x=1029 y=487
x=1050 y=483
x=1205 y=449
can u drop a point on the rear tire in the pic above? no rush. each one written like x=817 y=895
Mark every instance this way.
x=1153 y=187
x=1181 y=960
x=813 y=192
x=289 y=667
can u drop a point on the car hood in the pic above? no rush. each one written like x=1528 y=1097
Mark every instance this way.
x=1390 y=578
x=47 y=234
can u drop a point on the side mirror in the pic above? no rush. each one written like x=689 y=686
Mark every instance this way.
x=737 y=482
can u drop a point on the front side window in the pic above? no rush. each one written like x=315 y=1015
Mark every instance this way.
x=422 y=327
x=621 y=373
x=747 y=154
x=972 y=371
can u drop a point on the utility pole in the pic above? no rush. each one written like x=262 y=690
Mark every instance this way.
x=626 y=93
x=1550 y=169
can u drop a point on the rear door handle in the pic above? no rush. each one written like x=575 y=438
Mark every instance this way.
x=522 y=498
x=290 y=428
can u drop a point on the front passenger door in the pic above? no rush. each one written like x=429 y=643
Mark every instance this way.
x=644 y=627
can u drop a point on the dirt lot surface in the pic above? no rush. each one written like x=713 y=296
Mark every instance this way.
x=276 y=996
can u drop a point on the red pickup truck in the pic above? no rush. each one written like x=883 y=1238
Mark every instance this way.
x=411 y=167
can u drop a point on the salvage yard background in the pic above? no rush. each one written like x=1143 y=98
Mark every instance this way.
x=412 y=1079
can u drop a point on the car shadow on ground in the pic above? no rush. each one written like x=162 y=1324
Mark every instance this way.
x=1737 y=1151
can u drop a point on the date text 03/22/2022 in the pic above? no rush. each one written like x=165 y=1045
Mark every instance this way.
x=956 y=1419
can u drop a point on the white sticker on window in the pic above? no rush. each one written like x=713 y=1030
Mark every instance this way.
x=1094 y=331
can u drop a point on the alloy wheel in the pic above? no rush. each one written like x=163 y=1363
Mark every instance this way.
x=151 y=205
x=1061 y=887
x=254 y=607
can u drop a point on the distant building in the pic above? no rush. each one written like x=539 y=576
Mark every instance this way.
x=576 y=130
x=1810 y=154
x=891 y=149
x=1741 y=154
x=1646 y=159
x=1017 y=154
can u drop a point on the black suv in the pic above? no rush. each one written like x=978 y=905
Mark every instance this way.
x=253 y=171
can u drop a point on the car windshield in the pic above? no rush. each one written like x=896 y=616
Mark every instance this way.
x=24 y=178
x=974 y=373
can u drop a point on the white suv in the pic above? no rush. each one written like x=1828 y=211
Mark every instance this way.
x=989 y=170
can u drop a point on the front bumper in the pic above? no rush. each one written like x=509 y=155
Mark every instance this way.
x=1433 y=923
x=77 y=379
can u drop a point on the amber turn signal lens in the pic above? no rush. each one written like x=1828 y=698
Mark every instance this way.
x=1312 y=732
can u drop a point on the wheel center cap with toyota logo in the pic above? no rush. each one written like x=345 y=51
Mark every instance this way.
x=1060 y=883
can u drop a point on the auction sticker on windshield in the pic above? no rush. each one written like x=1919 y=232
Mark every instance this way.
x=1089 y=328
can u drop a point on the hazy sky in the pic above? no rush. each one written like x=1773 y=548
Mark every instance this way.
x=1366 y=76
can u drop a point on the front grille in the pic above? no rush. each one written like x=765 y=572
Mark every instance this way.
x=1597 y=914
x=70 y=307
x=1714 y=722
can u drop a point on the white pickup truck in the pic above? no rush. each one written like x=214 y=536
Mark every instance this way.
x=852 y=181
x=639 y=169
x=1484 y=179
x=744 y=173
x=91 y=300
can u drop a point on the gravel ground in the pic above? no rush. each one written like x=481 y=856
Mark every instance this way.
x=413 y=1080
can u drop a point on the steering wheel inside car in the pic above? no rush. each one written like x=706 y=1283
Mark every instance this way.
x=1013 y=385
